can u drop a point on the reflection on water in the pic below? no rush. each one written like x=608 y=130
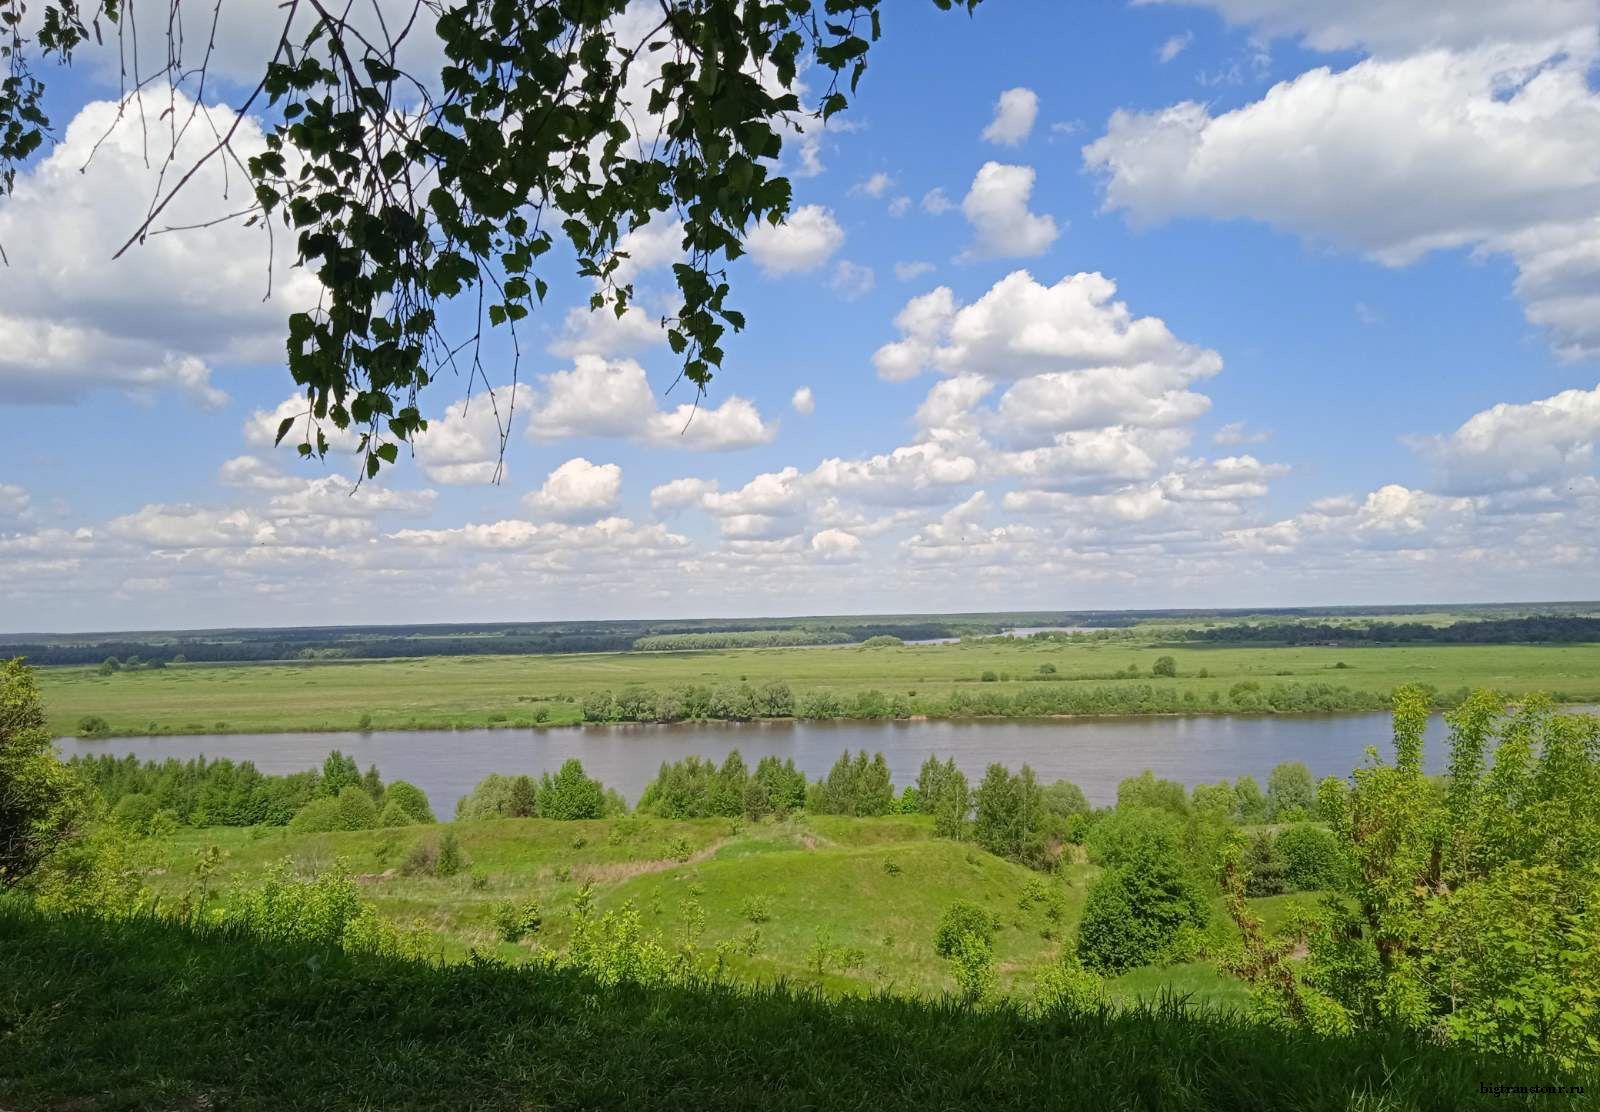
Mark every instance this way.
x=1094 y=752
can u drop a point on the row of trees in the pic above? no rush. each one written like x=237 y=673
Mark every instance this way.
x=742 y=702
x=201 y=792
x=1539 y=629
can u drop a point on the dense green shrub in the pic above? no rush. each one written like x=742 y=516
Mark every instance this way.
x=1164 y=666
x=135 y=812
x=93 y=726
x=437 y=855
x=962 y=919
x=1138 y=912
x=883 y=641
x=317 y=817
x=357 y=811
x=1312 y=857
x=1249 y=805
x=1146 y=790
x=490 y=798
x=410 y=799
x=393 y=815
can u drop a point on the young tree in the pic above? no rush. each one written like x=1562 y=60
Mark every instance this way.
x=571 y=794
x=1291 y=792
x=1473 y=911
x=1164 y=666
x=42 y=805
x=338 y=773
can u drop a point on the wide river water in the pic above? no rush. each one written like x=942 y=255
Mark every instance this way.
x=1096 y=753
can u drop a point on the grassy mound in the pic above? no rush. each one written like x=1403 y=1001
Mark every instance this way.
x=871 y=890
x=144 y=1014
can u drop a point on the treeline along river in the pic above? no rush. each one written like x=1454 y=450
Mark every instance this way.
x=1094 y=753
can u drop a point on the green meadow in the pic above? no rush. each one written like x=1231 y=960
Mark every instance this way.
x=870 y=889
x=443 y=692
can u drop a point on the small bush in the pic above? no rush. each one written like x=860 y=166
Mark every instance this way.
x=988 y=677
x=756 y=909
x=973 y=958
x=1164 y=666
x=93 y=726
x=962 y=919
x=514 y=921
x=750 y=941
x=1069 y=988
x=440 y=857
x=679 y=849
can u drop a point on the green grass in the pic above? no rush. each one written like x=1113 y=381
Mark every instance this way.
x=875 y=886
x=145 y=1014
x=447 y=692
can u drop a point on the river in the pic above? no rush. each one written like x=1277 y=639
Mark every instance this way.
x=1096 y=753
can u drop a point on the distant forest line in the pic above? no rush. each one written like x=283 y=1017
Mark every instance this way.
x=1540 y=630
x=1480 y=624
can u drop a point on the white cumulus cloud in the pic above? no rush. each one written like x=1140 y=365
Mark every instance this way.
x=806 y=240
x=997 y=208
x=1014 y=114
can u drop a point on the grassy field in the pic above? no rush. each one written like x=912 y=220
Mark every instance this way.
x=513 y=690
x=147 y=1015
x=875 y=887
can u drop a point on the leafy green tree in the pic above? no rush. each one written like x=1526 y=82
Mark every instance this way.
x=1010 y=815
x=783 y=783
x=338 y=773
x=490 y=798
x=1066 y=799
x=136 y=811
x=855 y=786
x=42 y=804
x=319 y=816
x=571 y=794
x=1291 y=793
x=522 y=800
x=598 y=706
x=1164 y=666
x=1265 y=874
x=1146 y=790
x=1250 y=806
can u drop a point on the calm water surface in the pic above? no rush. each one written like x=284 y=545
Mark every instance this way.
x=1096 y=753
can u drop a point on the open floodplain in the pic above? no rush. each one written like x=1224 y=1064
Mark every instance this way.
x=467 y=691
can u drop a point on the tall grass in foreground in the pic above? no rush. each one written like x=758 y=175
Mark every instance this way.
x=142 y=1013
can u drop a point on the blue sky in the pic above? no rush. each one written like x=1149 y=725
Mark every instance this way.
x=1226 y=303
